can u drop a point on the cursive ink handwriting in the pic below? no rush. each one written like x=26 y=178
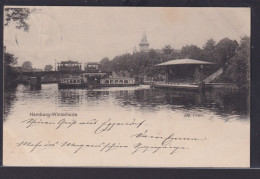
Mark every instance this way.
x=107 y=125
x=146 y=148
x=165 y=140
x=101 y=126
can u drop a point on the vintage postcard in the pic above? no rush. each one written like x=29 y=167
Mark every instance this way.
x=126 y=86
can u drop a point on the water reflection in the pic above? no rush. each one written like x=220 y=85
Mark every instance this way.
x=69 y=97
x=9 y=99
x=220 y=102
x=73 y=97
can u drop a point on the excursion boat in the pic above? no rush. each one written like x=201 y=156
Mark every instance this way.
x=118 y=82
x=96 y=80
x=71 y=82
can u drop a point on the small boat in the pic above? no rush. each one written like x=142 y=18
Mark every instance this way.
x=71 y=82
x=118 y=82
x=96 y=80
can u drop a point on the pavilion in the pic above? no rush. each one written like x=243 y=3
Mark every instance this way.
x=186 y=71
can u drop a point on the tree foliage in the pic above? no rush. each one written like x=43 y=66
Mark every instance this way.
x=105 y=64
x=18 y=16
x=167 y=50
x=48 y=68
x=209 y=51
x=139 y=63
x=191 y=51
x=225 y=50
x=167 y=53
x=27 y=66
x=226 y=53
x=9 y=73
x=9 y=59
x=238 y=67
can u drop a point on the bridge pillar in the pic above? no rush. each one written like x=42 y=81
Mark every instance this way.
x=35 y=83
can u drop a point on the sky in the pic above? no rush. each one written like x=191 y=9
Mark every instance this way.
x=88 y=34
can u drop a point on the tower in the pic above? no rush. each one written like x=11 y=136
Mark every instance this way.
x=144 y=45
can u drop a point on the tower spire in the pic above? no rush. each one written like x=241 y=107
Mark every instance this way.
x=144 y=45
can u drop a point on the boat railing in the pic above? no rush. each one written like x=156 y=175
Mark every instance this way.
x=120 y=80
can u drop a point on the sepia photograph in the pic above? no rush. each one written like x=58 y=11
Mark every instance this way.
x=126 y=86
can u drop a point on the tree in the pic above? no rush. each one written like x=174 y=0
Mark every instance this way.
x=238 y=68
x=105 y=64
x=27 y=66
x=9 y=73
x=226 y=50
x=48 y=68
x=191 y=51
x=209 y=52
x=175 y=54
x=10 y=59
x=105 y=60
x=167 y=50
x=18 y=16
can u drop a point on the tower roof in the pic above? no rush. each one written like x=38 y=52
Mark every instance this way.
x=144 y=40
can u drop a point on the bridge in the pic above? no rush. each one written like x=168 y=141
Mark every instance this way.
x=47 y=76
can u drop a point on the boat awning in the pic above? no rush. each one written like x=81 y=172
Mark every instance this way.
x=185 y=62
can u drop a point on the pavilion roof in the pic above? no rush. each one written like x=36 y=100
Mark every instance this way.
x=184 y=62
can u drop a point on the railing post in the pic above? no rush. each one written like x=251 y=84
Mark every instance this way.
x=201 y=86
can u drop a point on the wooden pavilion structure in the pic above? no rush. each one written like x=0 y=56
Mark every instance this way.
x=186 y=71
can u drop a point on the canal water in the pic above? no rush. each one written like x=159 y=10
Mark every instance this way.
x=218 y=115
x=226 y=105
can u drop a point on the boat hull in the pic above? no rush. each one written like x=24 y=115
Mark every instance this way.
x=71 y=86
x=90 y=86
